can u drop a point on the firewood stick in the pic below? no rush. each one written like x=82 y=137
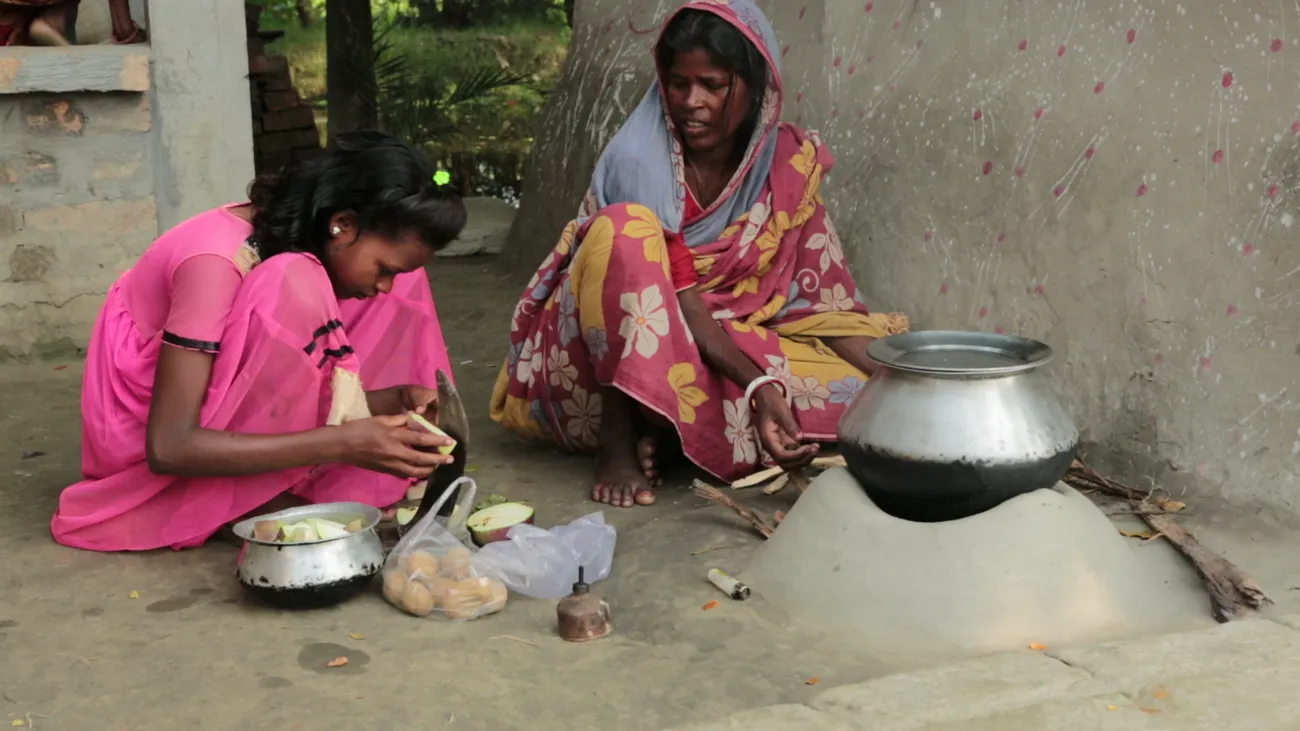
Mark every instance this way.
x=709 y=492
x=757 y=478
x=800 y=481
x=1233 y=592
x=777 y=485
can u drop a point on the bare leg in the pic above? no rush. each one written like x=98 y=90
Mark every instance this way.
x=854 y=351
x=124 y=29
x=50 y=27
x=620 y=481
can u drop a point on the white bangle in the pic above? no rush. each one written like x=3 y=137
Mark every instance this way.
x=760 y=382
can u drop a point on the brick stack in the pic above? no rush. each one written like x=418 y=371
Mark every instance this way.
x=284 y=126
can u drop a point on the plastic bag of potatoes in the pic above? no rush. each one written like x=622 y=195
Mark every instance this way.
x=431 y=571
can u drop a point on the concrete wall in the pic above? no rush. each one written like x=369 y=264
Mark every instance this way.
x=1119 y=179
x=103 y=147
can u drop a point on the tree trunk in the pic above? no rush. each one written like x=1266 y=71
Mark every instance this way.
x=568 y=10
x=426 y=12
x=303 y=7
x=350 y=66
x=457 y=13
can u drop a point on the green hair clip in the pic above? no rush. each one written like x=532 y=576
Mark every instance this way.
x=441 y=178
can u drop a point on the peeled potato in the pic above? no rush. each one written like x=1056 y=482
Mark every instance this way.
x=422 y=563
x=394 y=586
x=462 y=600
x=456 y=563
x=495 y=596
x=417 y=600
x=266 y=530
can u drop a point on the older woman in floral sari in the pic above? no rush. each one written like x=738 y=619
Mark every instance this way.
x=701 y=294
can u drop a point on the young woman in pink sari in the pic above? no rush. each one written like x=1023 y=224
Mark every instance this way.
x=225 y=370
x=701 y=296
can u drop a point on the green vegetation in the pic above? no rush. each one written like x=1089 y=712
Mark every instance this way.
x=472 y=96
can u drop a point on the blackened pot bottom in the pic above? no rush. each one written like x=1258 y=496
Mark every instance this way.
x=927 y=492
x=312 y=597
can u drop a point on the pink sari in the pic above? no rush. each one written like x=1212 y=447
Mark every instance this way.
x=286 y=346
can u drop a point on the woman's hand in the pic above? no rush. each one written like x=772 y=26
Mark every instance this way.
x=780 y=433
x=401 y=399
x=421 y=400
x=385 y=444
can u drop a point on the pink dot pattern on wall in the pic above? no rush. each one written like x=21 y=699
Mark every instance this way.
x=1273 y=191
x=1276 y=45
x=979 y=114
x=1232 y=310
x=898 y=24
x=838 y=60
x=984 y=312
x=1002 y=237
x=1024 y=44
x=1160 y=358
x=1000 y=330
x=929 y=235
x=869 y=7
x=1295 y=128
x=988 y=166
x=1020 y=171
x=943 y=288
x=1217 y=157
x=1038 y=113
x=1058 y=190
x=852 y=69
x=1206 y=362
x=1088 y=153
x=1060 y=51
x=1247 y=249
x=1142 y=190
x=1227 y=80
x=1131 y=35
x=1038 y=290
x=1099 y=88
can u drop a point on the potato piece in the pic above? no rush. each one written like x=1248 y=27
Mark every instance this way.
x=456 y=563
x=462 y=600
x=421 y=563
x=438 y=586
x=266 y=530
x=495 y=598
x=417 y=600
x=394 y=586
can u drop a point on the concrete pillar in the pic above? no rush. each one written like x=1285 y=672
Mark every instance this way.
x=203 y=139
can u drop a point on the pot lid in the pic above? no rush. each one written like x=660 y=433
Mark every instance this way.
x=959 y=353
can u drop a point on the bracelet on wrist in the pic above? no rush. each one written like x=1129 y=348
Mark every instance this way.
x=760 y=382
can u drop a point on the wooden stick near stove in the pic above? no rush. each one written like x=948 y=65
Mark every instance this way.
x=1234 y=593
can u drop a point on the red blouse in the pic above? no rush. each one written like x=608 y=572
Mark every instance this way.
x=681 y=261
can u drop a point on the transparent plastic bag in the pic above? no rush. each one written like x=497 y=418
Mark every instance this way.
x=434 y=571
x=543 y=564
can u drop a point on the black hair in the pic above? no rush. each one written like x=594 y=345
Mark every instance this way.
x=728 y=48
x=385 y=182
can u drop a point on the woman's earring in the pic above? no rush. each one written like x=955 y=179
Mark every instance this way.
x=336 y=230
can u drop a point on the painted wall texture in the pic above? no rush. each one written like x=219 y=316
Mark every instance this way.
x=1120 y=179
x=102 y=148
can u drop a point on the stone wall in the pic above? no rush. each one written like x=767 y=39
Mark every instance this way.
x=1119 y=179
x=76 y=201
x=284 y=126
x=101 y=149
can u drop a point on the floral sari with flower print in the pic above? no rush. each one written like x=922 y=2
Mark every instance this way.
x=601 y=312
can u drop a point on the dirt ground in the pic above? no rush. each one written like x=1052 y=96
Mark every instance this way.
x=80 y=652
x=193 y=652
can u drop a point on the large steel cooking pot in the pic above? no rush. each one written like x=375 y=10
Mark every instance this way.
x=313 y=573
x=955 y=423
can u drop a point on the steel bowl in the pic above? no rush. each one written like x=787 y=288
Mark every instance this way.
x=312 y=573
x=955 y=423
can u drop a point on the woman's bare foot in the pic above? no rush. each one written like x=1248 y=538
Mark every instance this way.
x=620 y=476
x=646 y=453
